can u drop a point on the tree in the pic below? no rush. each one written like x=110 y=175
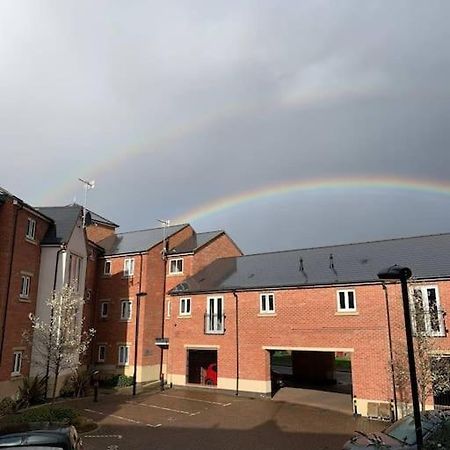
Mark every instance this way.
x=59 y=344
x=433 y=369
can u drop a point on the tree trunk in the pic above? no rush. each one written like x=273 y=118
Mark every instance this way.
x=55 y=382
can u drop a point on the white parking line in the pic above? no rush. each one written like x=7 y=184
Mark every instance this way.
x=196 y=400
x=126 y=419
x=116 y=436
x=179 y=411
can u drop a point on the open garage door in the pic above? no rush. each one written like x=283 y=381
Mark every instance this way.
x=313 y=377
x=202 y=367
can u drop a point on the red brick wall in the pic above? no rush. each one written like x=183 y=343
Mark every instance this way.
x=97 y=233
x=26 y=259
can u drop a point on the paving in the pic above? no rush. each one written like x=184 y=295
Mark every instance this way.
x=196 y=419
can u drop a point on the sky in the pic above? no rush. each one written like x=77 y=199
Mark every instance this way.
x=175 y=106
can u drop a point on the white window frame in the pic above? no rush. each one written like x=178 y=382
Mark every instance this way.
x=346 y=300
x=128 y=267
x=215 y=323
x=31 y=229
x=126 y=350
x=266 y=310
x=102 y=315
x=25 y=285
x=168 y=308
x=101 y=346
x=426 y=308
x=185 y=302
x=107 y=262
x=129 y=309
x=177 y=271
x=17 y=362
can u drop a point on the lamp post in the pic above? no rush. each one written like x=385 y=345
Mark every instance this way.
x=136 y=336
x=403 y=274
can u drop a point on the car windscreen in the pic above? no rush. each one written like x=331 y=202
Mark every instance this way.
x=405 y=430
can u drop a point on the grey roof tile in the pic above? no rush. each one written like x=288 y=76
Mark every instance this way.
x=136 y=241
x=427 y=256
x=195 y=242
x=64 y=221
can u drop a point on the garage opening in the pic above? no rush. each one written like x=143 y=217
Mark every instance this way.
x=202 y=367
x=313 y=373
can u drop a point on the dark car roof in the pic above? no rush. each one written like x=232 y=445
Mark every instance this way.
x=427 y=256
x=35 y=435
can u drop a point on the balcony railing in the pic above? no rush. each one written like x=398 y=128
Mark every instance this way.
x=214 y=323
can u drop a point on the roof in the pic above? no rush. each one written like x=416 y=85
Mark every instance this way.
x=97 y=218
x=136 y=241
x=427 y=256
x=4 y=194
x=64 y=221
x=195 y=242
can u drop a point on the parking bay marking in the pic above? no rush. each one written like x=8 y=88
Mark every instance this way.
x=109 y=436
x=179 y=411
x=196 y=400
x=126 y=419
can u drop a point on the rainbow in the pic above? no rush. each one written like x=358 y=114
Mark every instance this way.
x=312 y=185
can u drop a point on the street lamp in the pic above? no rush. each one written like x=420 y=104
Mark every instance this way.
x=136 y=335
x=403 y=274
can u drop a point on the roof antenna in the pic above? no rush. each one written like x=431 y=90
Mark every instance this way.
x=331 y=261
x=87 y=185
x=166 y=224
x=300 y=267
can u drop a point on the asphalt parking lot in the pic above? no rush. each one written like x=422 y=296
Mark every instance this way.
x=188 y=419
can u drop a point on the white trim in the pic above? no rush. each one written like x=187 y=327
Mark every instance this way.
x=187 y=311
x=127 y=360
x=426 y=309
x=25 y=286
x=346 y=300
x=17 y=363
x=215 y=329
x=107 y=261
x=267 y=310
x=130 y=309
x=308 y=349
x=104 y=353
x=176 y=271
x=201 y=347
x=31 y=230
x=104 y=316
x=128 y=272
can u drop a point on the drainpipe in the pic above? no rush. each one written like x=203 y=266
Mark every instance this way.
x=164 y=256
x=237 y=340
x=391 y=355
x=13 y=244
x=55 y=279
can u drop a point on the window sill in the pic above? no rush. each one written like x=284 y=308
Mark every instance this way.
x=30 y=240
x=346 y=313
x=184 y=316
x=175 y=274
x=16 y=375
x=107 y=275
x=125 y=320
x=24 y=300
x=267 y=314
x=127 y=277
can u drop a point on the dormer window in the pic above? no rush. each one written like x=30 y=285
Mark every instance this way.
x=176 y=266
x=31 y=229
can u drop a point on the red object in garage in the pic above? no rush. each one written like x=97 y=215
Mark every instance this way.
x=211 y=374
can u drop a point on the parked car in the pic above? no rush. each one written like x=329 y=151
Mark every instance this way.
x=33 y=437
x=401 y=435
x=211 y=375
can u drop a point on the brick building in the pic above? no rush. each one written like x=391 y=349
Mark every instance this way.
x=312 y=303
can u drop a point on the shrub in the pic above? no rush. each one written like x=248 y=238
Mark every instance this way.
x=124 y=380
x=7 y=406
x=117 y=381
x=31 y=392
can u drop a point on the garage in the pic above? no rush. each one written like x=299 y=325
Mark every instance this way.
x=202 y=367
x=313 y=376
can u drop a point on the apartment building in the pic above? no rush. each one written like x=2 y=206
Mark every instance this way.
x=232 y=316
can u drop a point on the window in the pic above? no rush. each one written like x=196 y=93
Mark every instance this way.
x=25 y=286
x=267 y=304
x=124 y=351
x=214 y=317
x=104 y=306
x=17 y=363
x=128 y=267
x=88 y=295
x=31 y=229
x=185 y=306
x=428 y=317
x=107 y=267
x=125 y=310
x=176 y=265
x=169 y=308
x=101 y=353
x=75 y=271
x=346 y=301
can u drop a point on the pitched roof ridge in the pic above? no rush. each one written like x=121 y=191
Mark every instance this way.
x=208 y=232
x=344 y=245
x=151 y=229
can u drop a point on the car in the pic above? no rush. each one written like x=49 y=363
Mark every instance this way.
x=40 y=436
x=211 y=375
x=401 y=435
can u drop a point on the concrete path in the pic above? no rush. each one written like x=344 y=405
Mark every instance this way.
x=331 y=401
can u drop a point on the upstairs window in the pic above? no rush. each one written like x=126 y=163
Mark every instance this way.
x=101 y=353
x=346 y=301
x=176 y=266
x=17 y=363
x=267 y=303
x=75 y=263
x=104 y=306
x=25 y=286
x=428 y=317
x=185 y=306
x=128 y=267
x=125 y=310
x=107 y=267
x=31 y=229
